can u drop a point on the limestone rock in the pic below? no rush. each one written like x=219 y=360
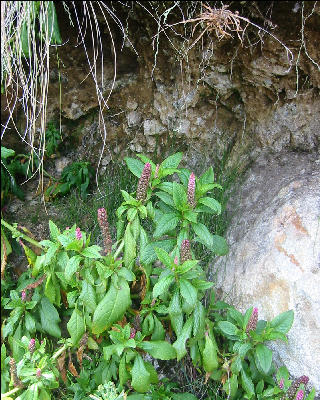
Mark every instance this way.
x=274 y=260
x=133 y=118
x=152 y=127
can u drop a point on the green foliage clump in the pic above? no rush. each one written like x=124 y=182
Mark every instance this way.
x=114 y=309
x=77 y=174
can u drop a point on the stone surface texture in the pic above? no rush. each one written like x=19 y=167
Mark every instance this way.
x=219 y=97
x=274 y=259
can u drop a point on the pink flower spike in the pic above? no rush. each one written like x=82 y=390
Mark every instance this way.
x=38 y=373
x=143 y=183
x=67 y=228
x=132 y=333
x=281 y=384
x=300 y=395
x=32 y=345
x=23 y=295
x=252 y=324
x=191 y=190
x=78 y=234
x=176 y=260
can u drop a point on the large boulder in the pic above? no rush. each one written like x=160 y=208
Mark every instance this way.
x=274 y=259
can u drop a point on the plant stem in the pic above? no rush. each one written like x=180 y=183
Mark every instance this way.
x=22 y=235
x=119 y=249
x=58 y=352
x=4 y=395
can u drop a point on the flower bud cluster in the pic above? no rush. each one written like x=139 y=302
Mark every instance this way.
x=32 y=345
x=191 y=190
x=185 y=252
x=252 y=324
x=13 y=371
x=292 y=391
x=143 y=183
x=78 y=234
x=104 y=226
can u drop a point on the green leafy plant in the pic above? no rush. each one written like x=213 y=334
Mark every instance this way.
x=53 y=139
x=143 y=294
x=77 y=174
x=13 y=166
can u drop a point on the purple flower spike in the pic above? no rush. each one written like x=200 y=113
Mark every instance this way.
x=143 y=183
x=23 y=295
x=191 y=190
x=104 y=226
x=300 y=395
x=78 y=234
x=32 y=345
x=252 y=324
x=132 y=333
x=185 y=252
x=281 y=384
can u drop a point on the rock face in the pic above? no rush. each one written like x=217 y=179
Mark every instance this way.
x=222 y=96
x=274 y=260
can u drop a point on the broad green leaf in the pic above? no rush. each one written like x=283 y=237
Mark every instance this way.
x=30 y=323
x=50 y=289
x=162 y=285
x=244 y=348
x=148 y=254
x=164 y=257
x=283 y=322
x=127 y=274
x=92 y=252
x=49 y=318
x=247 y=384
x=211 y=203
x=76 y=326
x=72 y=267
x=140 y=376
x=219 y=245
x=175 y=313
x=166 y=198
x=228 y=328
x=131 y=214
x=6 y=153
x=112 y=307
x=188 y=292
x=236 y=365
x=198 y=319
x=129 y=247
x=159 y=349
x=180 y=343
x=264 y=356
x=191 y=216
x=145 y=160
x=53 y=29
x=236 y=315
x=88 y=296
x=54 y=231
x=135 y=166
x=172 y=161
x=51 y=253
x=124 y=375
x=207 y=177
x=179 y=196
x=231 y=386
x=186 y=266
x=165 y=224
x=203 y=233
x=166 y=187
x=158 y=331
